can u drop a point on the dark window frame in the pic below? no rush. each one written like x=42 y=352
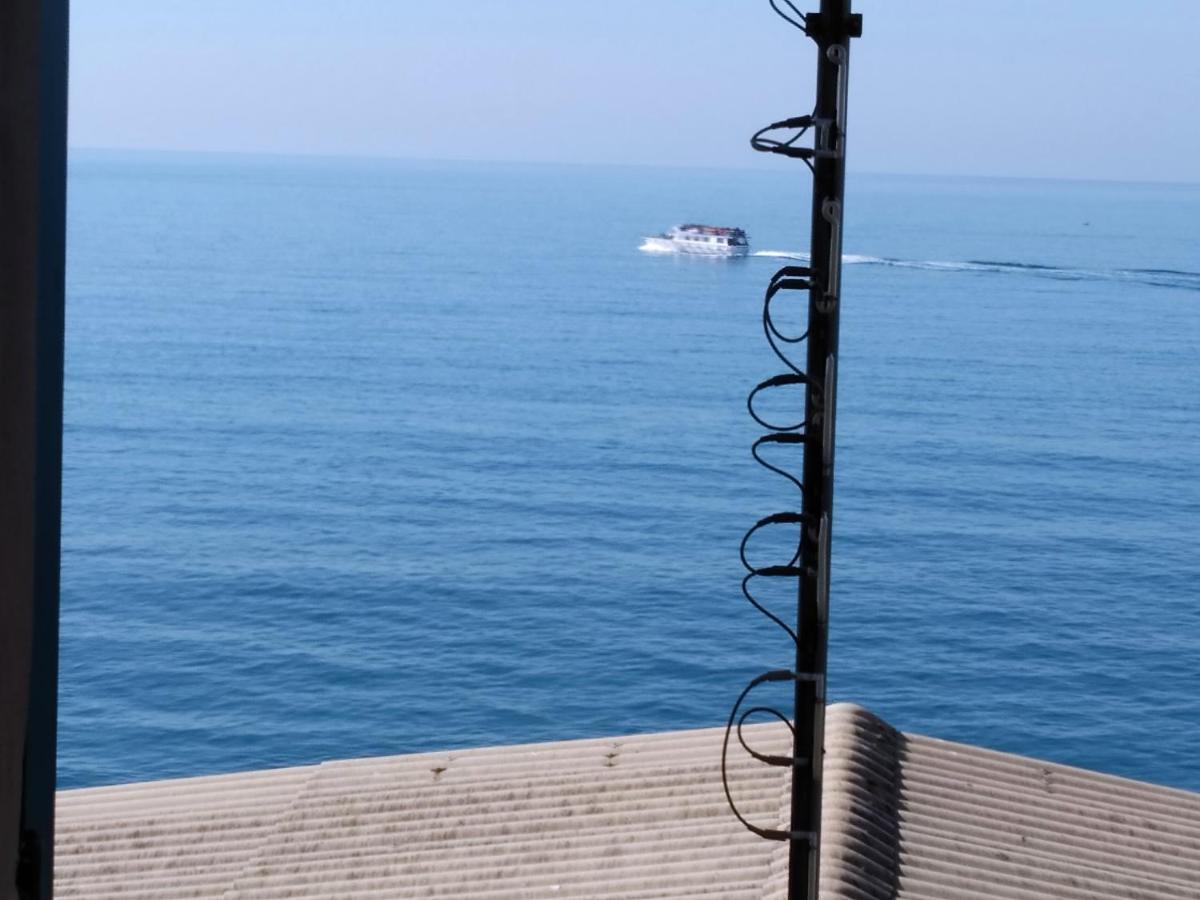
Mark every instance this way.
x=33 y=158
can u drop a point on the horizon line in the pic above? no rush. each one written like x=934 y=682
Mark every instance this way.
x=369 y=157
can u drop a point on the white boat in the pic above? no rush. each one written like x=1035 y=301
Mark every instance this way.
x=702 y=240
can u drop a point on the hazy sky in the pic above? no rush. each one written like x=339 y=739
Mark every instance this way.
x=1078 y=88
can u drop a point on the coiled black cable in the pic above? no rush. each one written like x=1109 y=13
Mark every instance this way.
x=806 y=567
x=799 y=124
x=787 y=570
x=772 y=834
x=784 y=434
x=791 y=433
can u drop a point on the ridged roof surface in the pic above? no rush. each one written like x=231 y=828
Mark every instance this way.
x=636 y=817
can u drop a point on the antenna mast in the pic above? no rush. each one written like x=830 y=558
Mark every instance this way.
x=831 y=29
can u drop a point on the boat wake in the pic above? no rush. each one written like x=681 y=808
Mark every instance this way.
x=1170 y=278
x=651 y=247
x=781 y=254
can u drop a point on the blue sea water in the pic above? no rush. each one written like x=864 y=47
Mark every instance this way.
x=370 y=457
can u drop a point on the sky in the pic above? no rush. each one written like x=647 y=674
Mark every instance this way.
x=1057 y=88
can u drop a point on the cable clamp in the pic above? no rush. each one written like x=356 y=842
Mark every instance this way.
x=815 y=27
x=828 y=140
x=831 y=212
x=816 y=678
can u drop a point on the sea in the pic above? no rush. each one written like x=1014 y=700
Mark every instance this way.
x=368 y=457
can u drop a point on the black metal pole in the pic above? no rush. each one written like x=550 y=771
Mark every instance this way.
x=33 y=143
x=832 y=29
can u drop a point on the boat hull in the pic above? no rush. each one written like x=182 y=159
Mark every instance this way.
x=662 y=244
x=710 y=250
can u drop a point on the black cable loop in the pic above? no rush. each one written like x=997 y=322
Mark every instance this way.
x=787 y=570
x=786 y=278
x=786 y=284
x=778 y=351
x=783 y=518
x=771 y=834
x=789 y=278
x=791 y=632
x=799 y=124
x=779 y=518
x=779 y=438
x=791 y=378
x=769 y=758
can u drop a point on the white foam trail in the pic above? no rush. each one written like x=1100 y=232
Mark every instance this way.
x=850 y=259
x=780 y=254
x=934 y=265
x=847 y=258
x=1186 y=280
x=648 y=247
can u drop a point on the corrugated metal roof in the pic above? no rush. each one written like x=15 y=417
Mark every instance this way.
x=635 y=817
